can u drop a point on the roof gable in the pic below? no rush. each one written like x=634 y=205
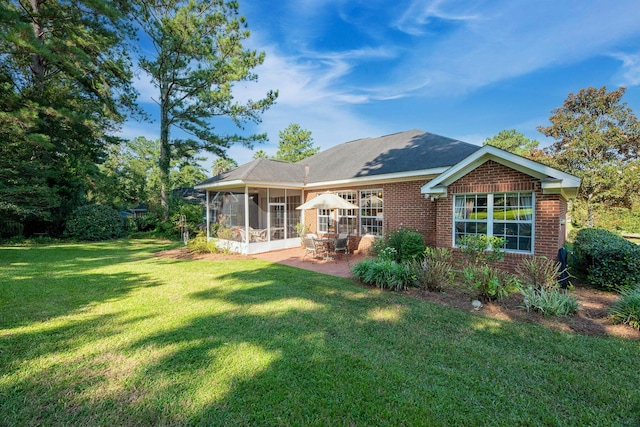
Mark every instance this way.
x=553 y=181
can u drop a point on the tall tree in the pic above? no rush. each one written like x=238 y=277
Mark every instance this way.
x=198 y=57
x=597 y=137
x=295 y=144
x=260 y=154
x=66 y=86
x=513 y=141
x=222 y=165
x=131 y=175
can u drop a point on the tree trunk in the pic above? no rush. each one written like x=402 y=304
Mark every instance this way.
x=590 y=213
x=37 y=61
x=165 y=153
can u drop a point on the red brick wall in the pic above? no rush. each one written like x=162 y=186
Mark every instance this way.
x=492 y=177
x=405 y=206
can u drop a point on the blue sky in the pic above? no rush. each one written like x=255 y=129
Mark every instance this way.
x=349 y=69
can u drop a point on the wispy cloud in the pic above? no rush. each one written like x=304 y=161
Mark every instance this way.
x=416 y=50
x=629 y=74
x=509 y=39
x=419 y=14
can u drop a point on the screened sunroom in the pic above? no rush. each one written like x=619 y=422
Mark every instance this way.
x=252 y=220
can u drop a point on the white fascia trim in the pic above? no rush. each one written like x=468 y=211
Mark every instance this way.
x=400 y=176
x=568 y=183
x=242 y=183
x=220 y=185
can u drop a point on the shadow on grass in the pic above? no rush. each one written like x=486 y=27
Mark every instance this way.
x=315 y=350
x=41 y=282
x=278 y=346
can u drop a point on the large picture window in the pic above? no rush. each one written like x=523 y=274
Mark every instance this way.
x=505 y=215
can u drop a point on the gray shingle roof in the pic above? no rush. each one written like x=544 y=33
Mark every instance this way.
x=413 y=150
x=260 y=170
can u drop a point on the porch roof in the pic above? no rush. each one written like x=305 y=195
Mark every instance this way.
x=259 y=172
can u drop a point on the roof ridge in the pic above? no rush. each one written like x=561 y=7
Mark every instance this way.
x=255 y=164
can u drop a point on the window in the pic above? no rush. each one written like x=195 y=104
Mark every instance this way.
x=505 y=215
x=325 y=220
x=371 y=212
x=348 y=218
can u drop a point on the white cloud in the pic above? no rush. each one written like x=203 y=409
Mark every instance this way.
x=509 y=39
x=133 y=130
x=418 y=15
x=629 y=74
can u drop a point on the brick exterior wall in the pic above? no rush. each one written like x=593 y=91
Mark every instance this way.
x=405 y=206
x=492 y=177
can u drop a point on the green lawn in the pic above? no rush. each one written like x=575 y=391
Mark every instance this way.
x=107 y=334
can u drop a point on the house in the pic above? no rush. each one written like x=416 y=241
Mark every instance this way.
x=139 y=211
x=441 y=187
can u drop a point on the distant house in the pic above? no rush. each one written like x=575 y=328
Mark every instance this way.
x=139 y=211
x=441 y=187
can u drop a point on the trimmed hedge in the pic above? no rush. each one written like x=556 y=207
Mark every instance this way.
x=94 y=223
x=606 y=259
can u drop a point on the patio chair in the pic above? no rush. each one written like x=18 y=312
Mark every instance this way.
x=342 y=245
x=311 y=246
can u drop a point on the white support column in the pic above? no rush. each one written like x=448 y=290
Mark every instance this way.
x=246 y=214
x=208 y=215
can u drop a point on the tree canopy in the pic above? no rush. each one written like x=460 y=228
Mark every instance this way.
x=295 y=144
x=222 y=165
x=513 y=141
x=65 y=86
x=597 y=139
x=198 y=57
x=131 y=175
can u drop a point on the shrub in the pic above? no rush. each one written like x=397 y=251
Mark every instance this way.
x=435 y=271
x=94 y=222
x=384 y=274
x=539 y=272
x=480 y=249
x=11 y=229
x=148 y=222
x=550 y=301
x=627 y=309
x=606 y=259
x=408 y=245
x=201 y=245
x=490 y=283
x=302 y=230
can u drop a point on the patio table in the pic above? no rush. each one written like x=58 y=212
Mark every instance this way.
x=326 y=243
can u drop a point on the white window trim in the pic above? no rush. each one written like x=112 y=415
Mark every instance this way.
x=371 y=191
x=490 y=199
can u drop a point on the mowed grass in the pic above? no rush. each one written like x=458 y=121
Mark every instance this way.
x=107 y=334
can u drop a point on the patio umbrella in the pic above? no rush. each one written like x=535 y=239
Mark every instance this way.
x=328 y=200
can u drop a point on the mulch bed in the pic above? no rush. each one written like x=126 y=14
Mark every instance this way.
x=591 y=319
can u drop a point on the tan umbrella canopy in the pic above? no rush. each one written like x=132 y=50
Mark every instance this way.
x=328 y=200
